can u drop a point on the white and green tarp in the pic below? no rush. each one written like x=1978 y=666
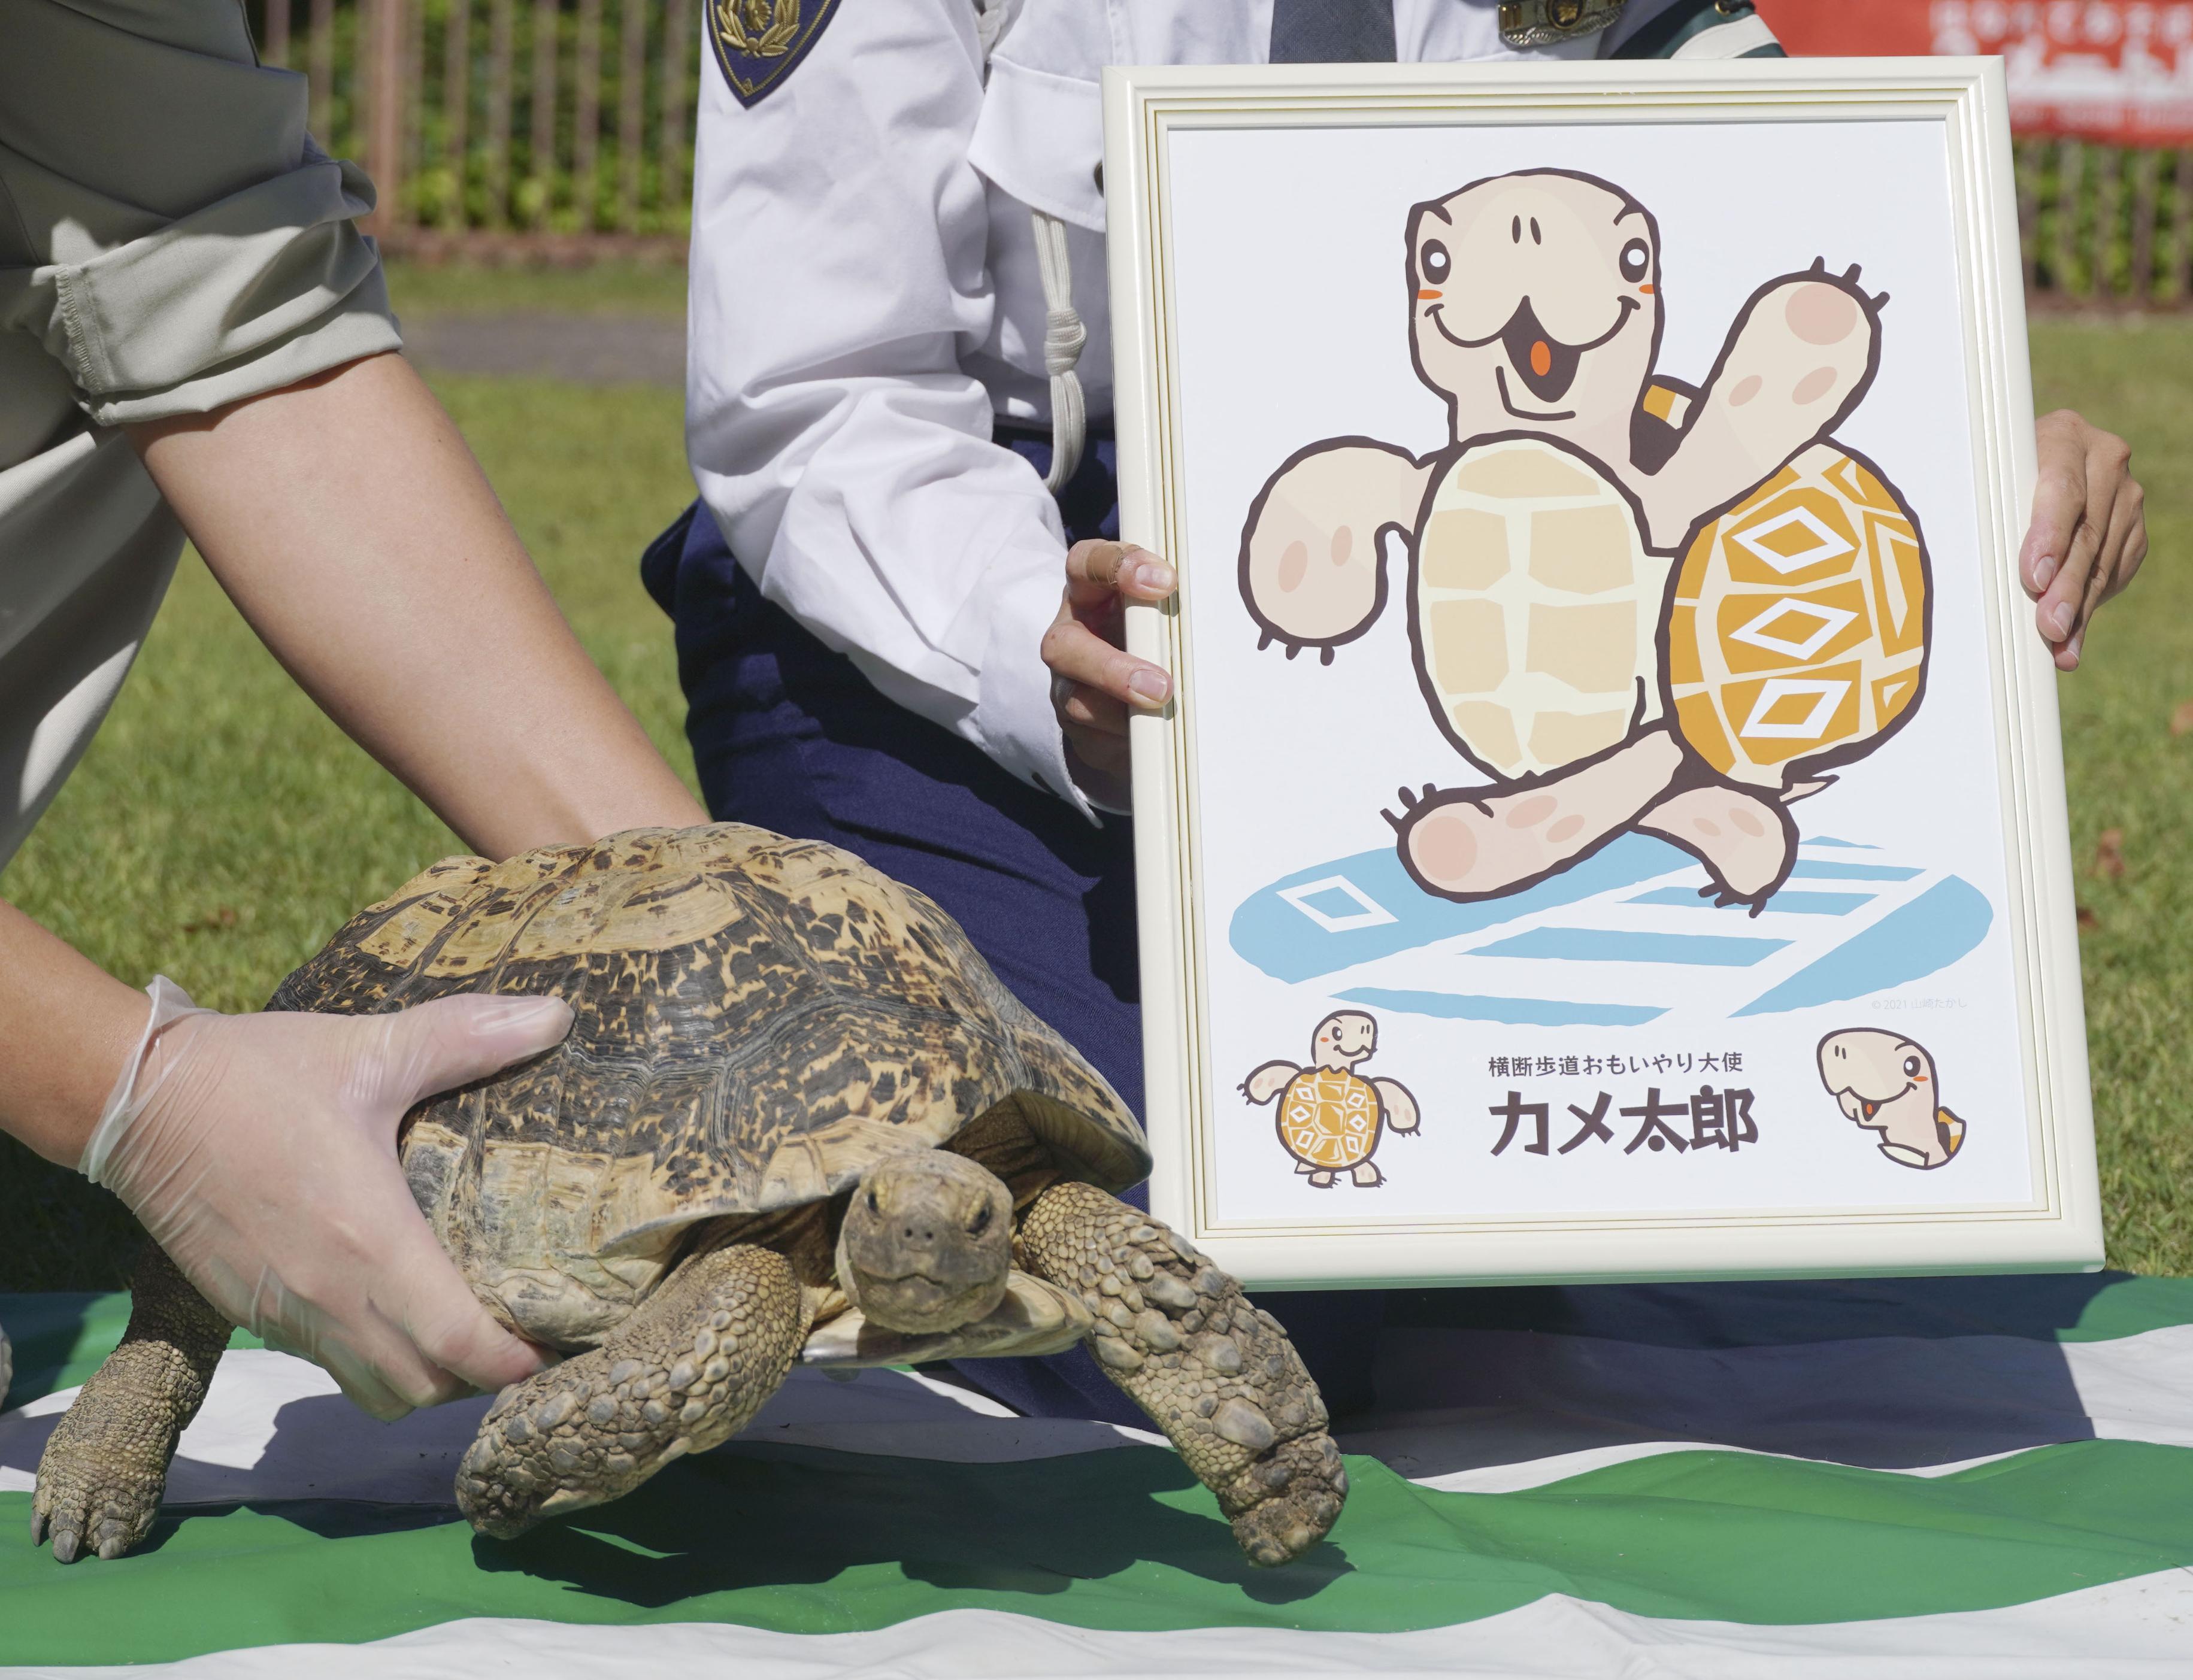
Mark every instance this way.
x=1949 y=1477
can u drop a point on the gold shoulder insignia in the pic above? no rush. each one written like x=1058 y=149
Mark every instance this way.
x=759 y=43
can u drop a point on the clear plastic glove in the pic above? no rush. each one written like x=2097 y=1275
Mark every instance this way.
x=260 y=1151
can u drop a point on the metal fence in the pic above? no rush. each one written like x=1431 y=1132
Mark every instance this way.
x=2106 y=224
x=565 y=127
x=530 y=124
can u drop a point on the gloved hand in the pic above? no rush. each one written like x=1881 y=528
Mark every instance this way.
x=260 y=1151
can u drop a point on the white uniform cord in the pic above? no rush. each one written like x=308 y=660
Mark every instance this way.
x=1063 y=335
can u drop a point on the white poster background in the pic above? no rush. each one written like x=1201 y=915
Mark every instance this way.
x=1292 y=326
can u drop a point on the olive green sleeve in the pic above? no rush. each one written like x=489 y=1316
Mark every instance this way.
x=169 y=232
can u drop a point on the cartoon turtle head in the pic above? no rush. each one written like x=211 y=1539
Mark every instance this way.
x=1887 y=1085
x=1535 y=305
x=1344 y=1038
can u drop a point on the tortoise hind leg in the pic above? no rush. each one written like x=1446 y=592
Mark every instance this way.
x=688 y=1370
x=104 y=1467
x=1219 y=1377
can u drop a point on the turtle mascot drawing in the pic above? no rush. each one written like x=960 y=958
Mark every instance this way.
x=1634 y=604
x=1331 y=1117
x=1887 y=1085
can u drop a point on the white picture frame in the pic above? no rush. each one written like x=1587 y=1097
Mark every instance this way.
x=1265 y=227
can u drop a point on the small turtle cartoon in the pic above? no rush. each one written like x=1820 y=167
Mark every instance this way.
x=1331 y=1117
x=1887 y=1085
x=1633 y=604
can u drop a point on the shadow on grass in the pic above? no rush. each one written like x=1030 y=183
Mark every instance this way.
x=787 y=1517
x=57 y=1339
x=2032 y=1306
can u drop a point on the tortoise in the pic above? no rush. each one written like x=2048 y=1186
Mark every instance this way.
x=797 y=1116
x=1330 y=1117
x=1595 y=690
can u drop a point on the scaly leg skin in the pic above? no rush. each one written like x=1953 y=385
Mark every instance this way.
x=688 y=1370
x=1473 y=845
x=1745 y=841
x=1216 y=1375
x=104 y=1468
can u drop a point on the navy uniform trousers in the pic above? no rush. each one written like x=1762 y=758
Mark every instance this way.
x=789 y=736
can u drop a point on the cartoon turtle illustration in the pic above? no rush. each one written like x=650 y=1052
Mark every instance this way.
x=1887 y=1084
x=1633 y=604
x=1330 y=1116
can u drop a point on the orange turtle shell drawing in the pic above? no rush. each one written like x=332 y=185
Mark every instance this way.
x=1329 y=1119
x=1330 y=1116
x=1797 y=629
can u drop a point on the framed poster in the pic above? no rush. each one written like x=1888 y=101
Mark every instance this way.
x=1611 y=821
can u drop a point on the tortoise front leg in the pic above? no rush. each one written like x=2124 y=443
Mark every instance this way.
x=688 y=1370
x=104 y=1467
x=1216 y=1375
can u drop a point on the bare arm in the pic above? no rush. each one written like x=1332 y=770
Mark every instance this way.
x=69 y=1026
x=349 y=522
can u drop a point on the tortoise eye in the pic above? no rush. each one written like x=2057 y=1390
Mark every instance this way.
x=1434 y=261
x=1637 y=260
x=875 y=1206
x=981 y=1222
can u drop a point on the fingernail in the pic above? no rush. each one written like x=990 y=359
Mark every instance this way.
x=1154 y=575
x=501 y=1013
x=2073 y=648
x=2044 y=571
x=2060 y=616
x=1151 y=683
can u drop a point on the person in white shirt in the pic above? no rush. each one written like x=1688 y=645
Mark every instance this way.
x=898 y=387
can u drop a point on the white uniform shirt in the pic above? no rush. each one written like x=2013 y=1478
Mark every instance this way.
x=865 y=297
x=170 y=241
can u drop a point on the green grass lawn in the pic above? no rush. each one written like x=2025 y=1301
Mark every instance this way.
x=221 y=828
x=655 y=288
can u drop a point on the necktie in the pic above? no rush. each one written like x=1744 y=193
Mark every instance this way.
x=1333 y=31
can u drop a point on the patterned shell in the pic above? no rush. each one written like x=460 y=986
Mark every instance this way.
x=759 y=1019
x=1329 y=1117
x=1797 y=631
x=1535 y=607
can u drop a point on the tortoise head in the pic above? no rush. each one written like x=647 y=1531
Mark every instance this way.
x=926 y=1243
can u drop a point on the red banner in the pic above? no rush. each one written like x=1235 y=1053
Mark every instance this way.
x=2119 y=70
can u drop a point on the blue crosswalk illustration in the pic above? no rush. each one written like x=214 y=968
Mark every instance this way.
x=1613 y=940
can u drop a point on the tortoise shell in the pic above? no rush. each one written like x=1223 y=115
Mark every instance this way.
x=1798 y=625
x=758 y=1021
x=1330 y=1117
x=1534 y=608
